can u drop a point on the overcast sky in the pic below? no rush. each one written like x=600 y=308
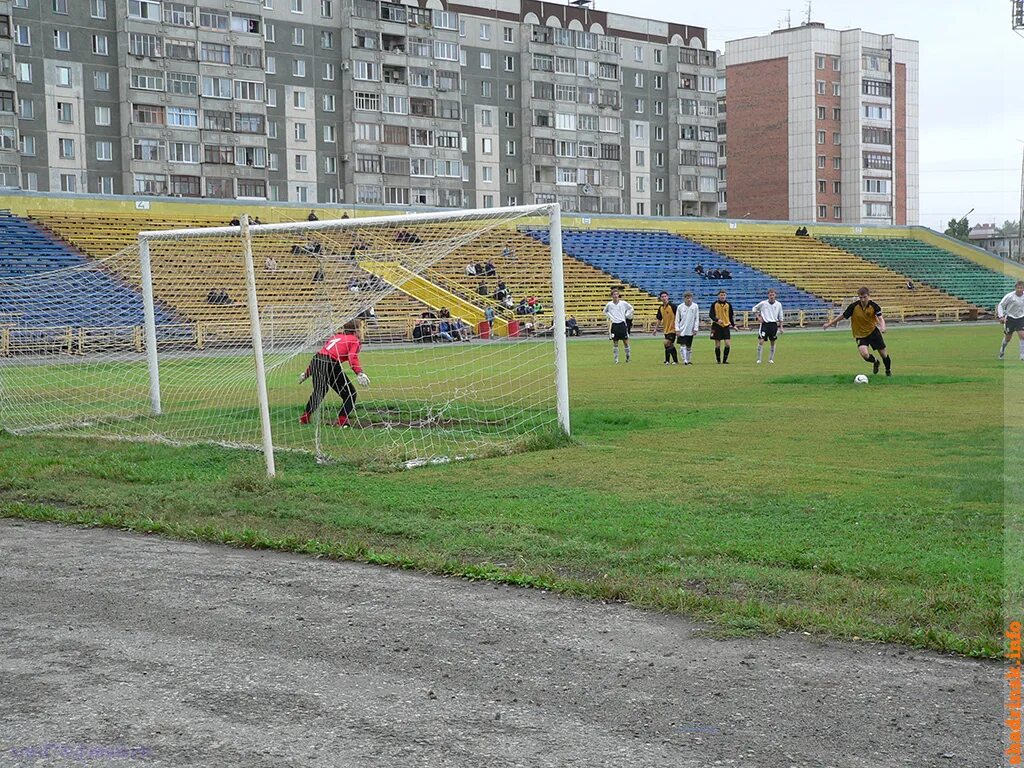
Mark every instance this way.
x=971 y=115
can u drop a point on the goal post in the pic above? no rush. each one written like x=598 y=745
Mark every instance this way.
x=461 y=316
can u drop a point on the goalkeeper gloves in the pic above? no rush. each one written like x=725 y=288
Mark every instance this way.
x=303 y=376
x=363 y=379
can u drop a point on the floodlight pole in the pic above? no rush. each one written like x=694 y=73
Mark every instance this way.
x=558 y=319
x=257 y=344
x=149 y=312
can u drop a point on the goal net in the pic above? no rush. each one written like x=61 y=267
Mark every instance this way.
x=203 y=336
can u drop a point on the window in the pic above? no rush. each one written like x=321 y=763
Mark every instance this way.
x=821 y=161
x=821 y=87
x=638 y=53
x=328 y=71
x=510 y=90
x=507 y=35
x=269 y=33
x=252 y=157
x=395 y=105
x=486 y=118
x=837 y=163
x=298 y=36
x=878 y=160
x=183 y=50
x=248 y=122
x=28 y=145
x=97 y=9
x=298 y=6
x=61 y=40
x=510 y=148
x=66 y=148
x=821 y=113
x=877 y=210
x=300 y=131
x=26 y=109
x=330 y=134
x=210 y=18
x=837 y=212
x=249 y=90
x=510 y=63
x=448 y=20
x=639 y=158
x=7 y=101
x=301 y=162
x=820 y=62
x=366 y=70
x=143 y=9
x=837 y=113
x=23 y=72
x=485 y=60
x=370 y=132
x=821 y=137
x=215 y=53
x=446 y=51
x=876 y=88
x=252 y=188
x=328 y=102
x=65 y=112
x=822 y=211
x=215 y=120
x=837 y=138
x=64 y=76
x=100 y=45
x=299 y=99
x=179 y=14
x=837 y=89
x=822 y=186
x=182 y=83
x=215 y=154
x=68 y=182
x=835 y=64
x=185 y=186
x=147 y=115
x=876 y=186
x=184 y=152
x=877 y=112
x=837 y=187
x=873 y=135
x=183 y=117
x=485 y=31
x=298 y=68
x=147 y=79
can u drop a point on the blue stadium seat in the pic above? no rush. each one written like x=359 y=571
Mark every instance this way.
x=656 y=261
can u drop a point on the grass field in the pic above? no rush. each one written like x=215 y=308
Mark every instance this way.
x=761 y=498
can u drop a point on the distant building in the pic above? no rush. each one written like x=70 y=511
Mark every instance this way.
x=823 y=126
x=987 y=236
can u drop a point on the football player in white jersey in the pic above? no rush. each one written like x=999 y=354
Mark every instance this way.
x=619 y=312
x=769 y=315
x=1011 y=312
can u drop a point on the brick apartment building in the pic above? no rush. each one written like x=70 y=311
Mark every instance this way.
x=822 y=126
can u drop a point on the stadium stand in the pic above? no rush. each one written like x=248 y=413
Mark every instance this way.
x=926 y=263
x=833 y=273
x=656 y=261
x=106 y=236
x=41 y=313
x=526 y=271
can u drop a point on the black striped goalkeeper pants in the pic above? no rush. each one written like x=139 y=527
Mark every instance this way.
x=328 y=374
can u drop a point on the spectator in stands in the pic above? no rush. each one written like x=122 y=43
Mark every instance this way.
x=445 y=312
x=471 y=270
x=270 y=265
x=344 y=215
x=802 y=232
x=538 y=308
x=572 y=328
x=211 y=297
x=444 y=330
x=699 y=269
x=235 y=222
x=508 y=302
x=462 y=332
x=353 y=285
x=489 y=270
x=501 y=293
x=423 y=331
x=531 y=301
x=489 y=318
x=257 y=220
x=404 y=236
x=726 y=274
x=318 y=276
x=910 y=285
x=508 y=253
x=714 y=274
x=523 y=308
x=312 y=216
x=479 y=268
x=218 y=296
x=482 y=289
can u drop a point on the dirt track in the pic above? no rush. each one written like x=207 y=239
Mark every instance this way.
x=118 y=649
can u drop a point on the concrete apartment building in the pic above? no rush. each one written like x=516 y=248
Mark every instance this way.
x=823 y=126
x=360 y=101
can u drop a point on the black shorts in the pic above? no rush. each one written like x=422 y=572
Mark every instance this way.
x=1014 y=324
x=720 y=332
x=875 y=340
x=620 y=332
x=686 y=341
x=768 y=331
x=671 y=339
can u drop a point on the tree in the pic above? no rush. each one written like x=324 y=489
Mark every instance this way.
x=959 y=229
x=1009 y=228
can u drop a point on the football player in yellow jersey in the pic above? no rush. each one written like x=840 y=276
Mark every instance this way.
x=667 y=317
x=868 y=325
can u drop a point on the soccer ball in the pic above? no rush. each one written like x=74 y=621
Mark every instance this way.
x=860 y=378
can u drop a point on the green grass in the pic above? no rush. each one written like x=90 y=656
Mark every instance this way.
x=761 y=498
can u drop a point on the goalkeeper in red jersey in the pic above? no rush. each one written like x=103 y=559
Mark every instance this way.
x=327 y=373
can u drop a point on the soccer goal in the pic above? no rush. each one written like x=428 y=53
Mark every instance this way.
x=460 y=317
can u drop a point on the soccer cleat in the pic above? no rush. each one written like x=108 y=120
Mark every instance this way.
x=675 y=362
x=876 y=366
x=1002 y=354
x=304 y=418
x=888 y=373
x=758 y=362
x=341 y=421
x=725 y=362
x=666 y=362
x=772 y=362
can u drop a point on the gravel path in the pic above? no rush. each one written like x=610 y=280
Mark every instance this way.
x=120 y=649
